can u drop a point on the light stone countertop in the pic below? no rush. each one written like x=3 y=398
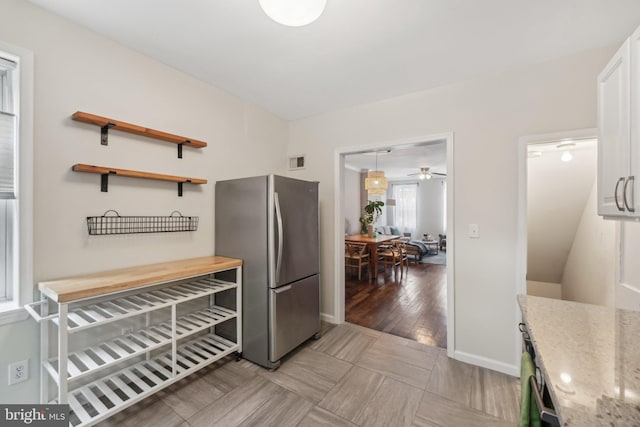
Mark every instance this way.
x=590 y=358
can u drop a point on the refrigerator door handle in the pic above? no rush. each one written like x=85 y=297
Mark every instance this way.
x=282 y=289
x=280 y=236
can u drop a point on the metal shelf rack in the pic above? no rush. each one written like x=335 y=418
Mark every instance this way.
x=116 y=224
x=104 y=378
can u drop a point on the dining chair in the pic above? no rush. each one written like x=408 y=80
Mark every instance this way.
x=356 y=256
x=394 y=255
x=401 y=247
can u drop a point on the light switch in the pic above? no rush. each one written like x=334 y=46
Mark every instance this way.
x=474 y=231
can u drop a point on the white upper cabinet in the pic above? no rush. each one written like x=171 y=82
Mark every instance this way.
x=614 y=134
x=619 y=162
x=633 y=193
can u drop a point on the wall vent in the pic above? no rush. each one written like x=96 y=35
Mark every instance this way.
x=296 y=162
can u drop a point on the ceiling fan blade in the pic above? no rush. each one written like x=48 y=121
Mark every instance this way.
x=425 y=171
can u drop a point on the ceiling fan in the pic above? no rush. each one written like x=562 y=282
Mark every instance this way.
x=425 y=173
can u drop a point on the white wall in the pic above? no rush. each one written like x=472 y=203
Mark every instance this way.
x=78 y=70
x=352 y=206
x=589 y=274
x=487 y=116
x=544 y=289
x=431 y=205
x=557 y=193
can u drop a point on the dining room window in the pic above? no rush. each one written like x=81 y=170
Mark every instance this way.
x=406 y=211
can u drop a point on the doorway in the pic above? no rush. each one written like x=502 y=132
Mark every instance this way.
x=560 y=234
x=339 y=223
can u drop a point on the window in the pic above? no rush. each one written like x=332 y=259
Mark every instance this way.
x=16 y=124
x=7 y=175
x=406 y=196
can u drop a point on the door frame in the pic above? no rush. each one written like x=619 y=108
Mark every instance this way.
x=521 y=238
x=338 y=223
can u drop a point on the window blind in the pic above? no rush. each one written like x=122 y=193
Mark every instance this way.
x=7 y=155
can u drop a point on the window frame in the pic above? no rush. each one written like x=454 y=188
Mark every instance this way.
x=22 y=290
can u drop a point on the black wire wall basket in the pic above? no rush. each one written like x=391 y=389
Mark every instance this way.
x=116 y=224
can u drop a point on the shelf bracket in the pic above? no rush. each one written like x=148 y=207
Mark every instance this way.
x=104 y=133
x=180 y=187
x=104 y=181
x=186 y=141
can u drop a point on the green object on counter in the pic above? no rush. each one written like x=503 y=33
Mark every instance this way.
x=529 y=413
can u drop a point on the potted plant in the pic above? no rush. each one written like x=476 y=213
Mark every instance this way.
x=372 y=212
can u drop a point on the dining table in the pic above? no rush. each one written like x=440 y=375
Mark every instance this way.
x=372 y=244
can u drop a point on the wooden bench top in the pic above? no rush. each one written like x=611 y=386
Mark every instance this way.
x=102 y=283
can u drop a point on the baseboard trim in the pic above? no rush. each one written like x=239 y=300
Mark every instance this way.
x=485 y=362
x=329 y=318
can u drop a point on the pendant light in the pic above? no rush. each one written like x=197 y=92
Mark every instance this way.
x=293 y=13
x=376 y=184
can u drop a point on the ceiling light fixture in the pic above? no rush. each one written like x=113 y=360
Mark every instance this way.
x=293 y=13
x=425 y=173
x=375 y=183
x=566 y=154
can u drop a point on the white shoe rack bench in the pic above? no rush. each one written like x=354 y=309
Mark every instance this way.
x=173 y=342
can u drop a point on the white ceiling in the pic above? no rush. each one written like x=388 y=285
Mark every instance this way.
x=398 y=162
x=359 y=50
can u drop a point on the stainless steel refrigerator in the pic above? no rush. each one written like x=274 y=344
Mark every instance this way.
x=271 y=222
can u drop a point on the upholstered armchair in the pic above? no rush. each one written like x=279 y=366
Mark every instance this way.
x=442 y=242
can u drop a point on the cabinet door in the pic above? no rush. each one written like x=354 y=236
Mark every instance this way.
x=633 y=187
x=613 y=133
x=628 y=274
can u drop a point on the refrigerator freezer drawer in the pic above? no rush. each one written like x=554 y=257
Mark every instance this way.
x=295 y=315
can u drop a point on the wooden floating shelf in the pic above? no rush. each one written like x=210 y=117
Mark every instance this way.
x=135 y=174
x=106 y=123
x=104 y=172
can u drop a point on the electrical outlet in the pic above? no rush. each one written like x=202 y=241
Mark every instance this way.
x=18 y=372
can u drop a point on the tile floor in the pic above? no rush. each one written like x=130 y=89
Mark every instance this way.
x=352 y=376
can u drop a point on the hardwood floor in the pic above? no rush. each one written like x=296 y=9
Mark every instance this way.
x=414 y=307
